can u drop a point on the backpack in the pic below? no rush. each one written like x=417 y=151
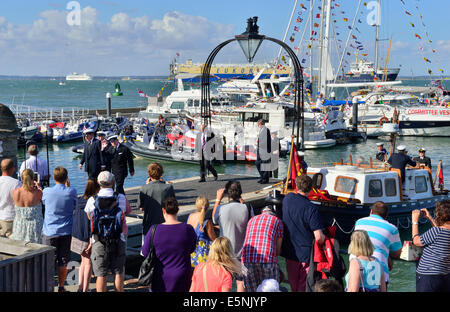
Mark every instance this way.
x=107 y=221
x=326 y=261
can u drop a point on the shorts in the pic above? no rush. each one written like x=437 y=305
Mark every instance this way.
x=258 y=272
x=103 y=263
x=6 y=227
x=62 y=245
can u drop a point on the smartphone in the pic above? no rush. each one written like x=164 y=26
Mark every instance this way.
x=36 y=177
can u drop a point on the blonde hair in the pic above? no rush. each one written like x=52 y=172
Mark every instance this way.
x=27 y=180
x=221 y=254
x=202 y=205
x=360 y=244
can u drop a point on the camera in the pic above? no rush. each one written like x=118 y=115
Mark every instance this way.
x=36 y=177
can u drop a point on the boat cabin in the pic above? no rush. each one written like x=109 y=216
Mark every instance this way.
x=364 y=185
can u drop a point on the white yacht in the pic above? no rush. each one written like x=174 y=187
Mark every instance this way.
x=416 y=116
x=78 y=77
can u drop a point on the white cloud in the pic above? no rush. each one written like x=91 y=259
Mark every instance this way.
x=123 y=45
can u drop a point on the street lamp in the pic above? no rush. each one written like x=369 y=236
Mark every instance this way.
x=250 y=41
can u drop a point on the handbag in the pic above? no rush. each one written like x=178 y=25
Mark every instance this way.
x=148 y=265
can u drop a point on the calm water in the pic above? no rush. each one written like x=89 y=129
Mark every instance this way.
x=48 y=93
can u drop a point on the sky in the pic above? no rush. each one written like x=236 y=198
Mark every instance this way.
x=141 y=37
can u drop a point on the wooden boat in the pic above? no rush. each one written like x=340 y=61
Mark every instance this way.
x=345 y=192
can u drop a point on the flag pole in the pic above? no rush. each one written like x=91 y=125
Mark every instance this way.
x=290 y=165
x=437 y=173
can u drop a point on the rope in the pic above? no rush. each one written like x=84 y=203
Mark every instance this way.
x=340 y=228
x=399 y=224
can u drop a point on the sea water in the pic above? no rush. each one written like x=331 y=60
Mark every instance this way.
x=91 y=94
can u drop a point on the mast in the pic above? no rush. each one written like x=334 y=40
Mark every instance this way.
x=325 y=57
x=319 y=80
x=311 y=6
x=287 y=30
x=377 y=33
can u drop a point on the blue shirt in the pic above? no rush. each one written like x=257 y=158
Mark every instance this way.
x=60 y=202
x=301 y=218
x=384 y=237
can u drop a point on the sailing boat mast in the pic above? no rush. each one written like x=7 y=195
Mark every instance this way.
x=377 y=33
x=324 y=66
x=311 y=43
x=287 y=30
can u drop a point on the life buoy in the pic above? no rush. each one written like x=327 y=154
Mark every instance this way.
x=383 y=120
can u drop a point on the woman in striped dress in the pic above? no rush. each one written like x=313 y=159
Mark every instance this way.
x=433 y=271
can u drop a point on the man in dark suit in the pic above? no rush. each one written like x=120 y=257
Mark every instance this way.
x=105 y=145
x=121 y=160
x=92 y=155
x=205 y=153
x=263 y=152
x=399 y=160
x=422 y=159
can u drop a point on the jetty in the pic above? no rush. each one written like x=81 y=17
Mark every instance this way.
x=186 y=192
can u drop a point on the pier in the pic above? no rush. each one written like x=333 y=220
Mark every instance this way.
x=39 y=114
x=186 y=192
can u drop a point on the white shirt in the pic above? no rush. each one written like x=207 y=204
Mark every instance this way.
x=7 y=186
x=106 y=192
x=32 y=163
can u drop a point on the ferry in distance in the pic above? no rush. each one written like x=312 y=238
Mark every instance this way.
x=190 y=71
x=78 y=77
x=364 y=71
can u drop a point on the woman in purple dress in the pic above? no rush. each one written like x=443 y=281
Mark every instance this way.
x=174 y=242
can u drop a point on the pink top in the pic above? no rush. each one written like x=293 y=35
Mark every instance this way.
x=217 y=278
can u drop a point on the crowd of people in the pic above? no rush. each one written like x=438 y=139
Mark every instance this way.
x=221 y=248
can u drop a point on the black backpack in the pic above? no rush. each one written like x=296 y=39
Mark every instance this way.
x=107 y=221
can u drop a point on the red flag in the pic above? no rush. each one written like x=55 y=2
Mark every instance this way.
x=296 y=167
x=441 y=177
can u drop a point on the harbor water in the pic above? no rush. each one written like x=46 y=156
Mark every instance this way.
x=91 y=94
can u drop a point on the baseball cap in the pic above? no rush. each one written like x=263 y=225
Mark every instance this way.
x=105 y=178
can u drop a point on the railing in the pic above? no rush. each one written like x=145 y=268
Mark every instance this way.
x=26 y=267
x=26 y=112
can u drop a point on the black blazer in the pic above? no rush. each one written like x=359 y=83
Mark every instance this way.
x=92 y=157
x=121 y=160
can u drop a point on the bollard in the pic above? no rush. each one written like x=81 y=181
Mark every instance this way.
x=108 y=104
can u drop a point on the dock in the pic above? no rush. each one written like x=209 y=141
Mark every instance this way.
x=186 y=192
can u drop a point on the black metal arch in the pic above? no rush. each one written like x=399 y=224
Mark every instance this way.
x=298 y=86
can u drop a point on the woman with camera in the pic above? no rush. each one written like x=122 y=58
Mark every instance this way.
x=28 y=220
x=433 y=271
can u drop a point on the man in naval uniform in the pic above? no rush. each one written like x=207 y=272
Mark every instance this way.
x=422 y=159
x=381 y=153
x=121 y=161
x=92 y=157
x=399 y=160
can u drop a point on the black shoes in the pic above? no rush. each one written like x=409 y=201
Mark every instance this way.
x=215 y=178
x=202 y=180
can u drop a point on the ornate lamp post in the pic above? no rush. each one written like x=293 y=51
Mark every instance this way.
x=250 y=41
